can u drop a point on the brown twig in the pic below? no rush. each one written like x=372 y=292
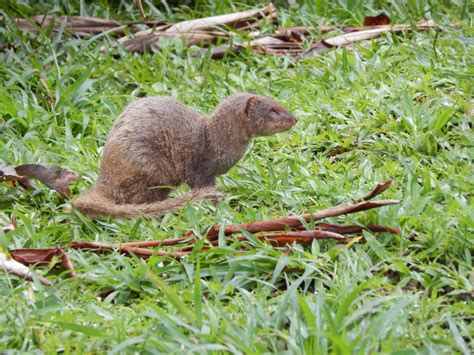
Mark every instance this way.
x=140 y=252
x=357 y=229
x=66 y=263
x=381 y=187
x=295 y=221
x=138 y=3
x=156 y=243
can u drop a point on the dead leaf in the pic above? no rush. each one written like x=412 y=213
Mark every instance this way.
x=43 y=256
x=380 y=19
x=35 y=256
x=14 y=267
x=55 y=178
x=228 y=20
x=10 y=176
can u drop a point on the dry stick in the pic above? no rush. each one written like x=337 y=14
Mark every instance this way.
x=66 y=263
x=305 y=30
x=156 y=243
x=303 y=236
x=138 y=3
x=140 y=252
x=284 y=238
x=381 y=187
x=295 y=221
x=143 y=33
x=299 y=235
x=345 y=39
x=353 y=229
x=322 y=227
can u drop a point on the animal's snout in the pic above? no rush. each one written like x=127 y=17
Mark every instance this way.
x=291 y=119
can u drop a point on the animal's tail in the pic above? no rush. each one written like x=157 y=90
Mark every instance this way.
x=93 y=204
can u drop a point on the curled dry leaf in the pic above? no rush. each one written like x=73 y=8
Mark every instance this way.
x=15 y=268
x=35 y=256
x=9 y=174
x=348 y=38
x=43 y=256
x=55 y=178
x=228 y=20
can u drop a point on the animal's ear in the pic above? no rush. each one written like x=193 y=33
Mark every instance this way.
x=252 y=101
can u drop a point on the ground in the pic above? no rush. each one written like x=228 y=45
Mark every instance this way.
x=398 y=108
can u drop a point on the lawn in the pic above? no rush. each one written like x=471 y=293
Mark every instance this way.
x=399 y=108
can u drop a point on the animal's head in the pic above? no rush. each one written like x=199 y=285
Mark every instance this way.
x=266 y=117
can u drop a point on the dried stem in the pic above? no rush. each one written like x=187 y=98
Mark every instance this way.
x=353 y=229
x=156 y=243
x=66 y=263
x=295 y=221
x=140 y=252
x=381 y=187
x=138 y=3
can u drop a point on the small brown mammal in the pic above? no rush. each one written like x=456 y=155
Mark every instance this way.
x=158 y=142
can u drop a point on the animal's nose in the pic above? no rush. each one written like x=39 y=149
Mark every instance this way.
x=292 y=119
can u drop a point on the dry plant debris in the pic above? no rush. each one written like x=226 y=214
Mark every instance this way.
x=284 y=231
x=279 y=232
x=55 y=178
x=14 y=267
x=207 y=31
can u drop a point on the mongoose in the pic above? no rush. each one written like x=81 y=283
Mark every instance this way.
x=158 y=142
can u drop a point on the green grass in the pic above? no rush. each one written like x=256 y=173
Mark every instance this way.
x=400 y=108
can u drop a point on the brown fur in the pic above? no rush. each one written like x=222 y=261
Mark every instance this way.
x=158 y=142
